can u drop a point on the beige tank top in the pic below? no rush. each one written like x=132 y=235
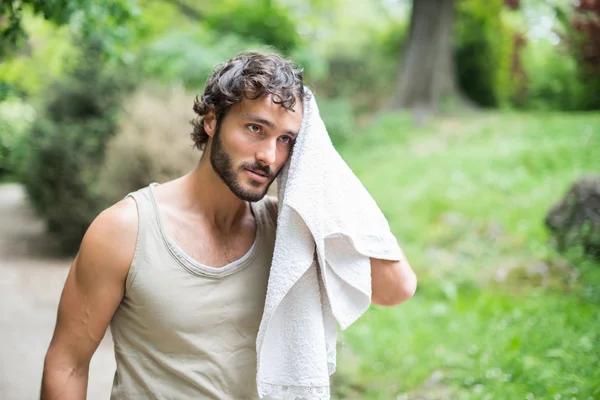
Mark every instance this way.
x=185 y=330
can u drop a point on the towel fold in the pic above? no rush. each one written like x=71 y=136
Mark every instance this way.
x=328 y=227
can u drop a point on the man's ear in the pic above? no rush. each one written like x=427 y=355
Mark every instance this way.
x=210 y=122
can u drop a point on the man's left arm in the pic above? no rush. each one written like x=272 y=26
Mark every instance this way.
x=392 y=282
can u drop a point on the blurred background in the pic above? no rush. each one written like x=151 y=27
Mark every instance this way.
x=473 y=123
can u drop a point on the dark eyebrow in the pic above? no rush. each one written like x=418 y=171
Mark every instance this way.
x=266 y=122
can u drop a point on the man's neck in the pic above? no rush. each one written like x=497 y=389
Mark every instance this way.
x=203 y=193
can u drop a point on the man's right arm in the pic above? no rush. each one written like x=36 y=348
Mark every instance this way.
x=93 y=290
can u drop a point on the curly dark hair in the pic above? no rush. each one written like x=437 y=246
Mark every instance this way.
x=251 y=75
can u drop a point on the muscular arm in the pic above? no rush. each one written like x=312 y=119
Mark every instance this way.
x=93 y=290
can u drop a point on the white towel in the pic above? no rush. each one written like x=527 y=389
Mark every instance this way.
x=328 y=227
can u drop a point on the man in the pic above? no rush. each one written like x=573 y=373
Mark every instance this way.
x=179 y=270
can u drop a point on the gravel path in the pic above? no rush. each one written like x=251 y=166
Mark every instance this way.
x=31 y=280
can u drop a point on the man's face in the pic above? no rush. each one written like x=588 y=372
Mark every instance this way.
x=252 y=143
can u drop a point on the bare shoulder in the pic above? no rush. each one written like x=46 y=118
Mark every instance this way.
x=109 y=242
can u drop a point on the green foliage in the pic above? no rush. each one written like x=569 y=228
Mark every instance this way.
x=391 y=39
x=26 y=73
x=367 y=82
x=552 y=78
x=591 y=92
x=12 y=30
x=188 y=53
x=262 y=21
x=555 y=78
x=189 y=57
x=67 y=143
x=339 y=119
x=484 y=51
x=585 y=45
x=159 y=18
x=498 y=314
x=360 y=43
x=15 y=119
x=111 y=21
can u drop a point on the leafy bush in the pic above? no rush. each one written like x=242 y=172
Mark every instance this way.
x=27 y=72
x=15 y=118
x=565 y=75
x=188 y=57
x=586 y=47
x=152 y=144
x=66 y=146
x=262 y=21
x=484 y=51
x=105 y=21
x=365 y=81
x=338 y=118
x=552 y=78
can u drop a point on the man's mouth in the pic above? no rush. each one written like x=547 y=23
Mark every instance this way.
x=259 y=176
x=259 y=173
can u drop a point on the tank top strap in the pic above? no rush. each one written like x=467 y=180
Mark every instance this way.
x=147 y=228
x=271 y=206
x=147 y=216
x=266 y=212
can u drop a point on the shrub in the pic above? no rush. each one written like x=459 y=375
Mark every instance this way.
x=263 y=21
x=357 y=56
x=152 y=145
x=586 y=46
x=552 y=82
x=188 y=57
x=15 y=118
x=338 y=118
x=483 y=51
x=66 y=146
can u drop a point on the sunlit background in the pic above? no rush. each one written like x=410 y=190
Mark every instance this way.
x=469 y=121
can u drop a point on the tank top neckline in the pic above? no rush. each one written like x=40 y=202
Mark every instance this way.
x=193 y=266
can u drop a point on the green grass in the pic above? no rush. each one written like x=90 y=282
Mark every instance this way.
x=498 y=313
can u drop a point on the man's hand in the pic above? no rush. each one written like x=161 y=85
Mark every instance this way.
x=392 y=282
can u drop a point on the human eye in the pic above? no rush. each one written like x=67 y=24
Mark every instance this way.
x=286 y=139
x=254 y=128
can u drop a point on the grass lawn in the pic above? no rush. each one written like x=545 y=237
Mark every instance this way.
x=498 y=314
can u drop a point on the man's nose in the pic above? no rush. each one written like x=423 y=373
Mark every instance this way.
x=267 y=153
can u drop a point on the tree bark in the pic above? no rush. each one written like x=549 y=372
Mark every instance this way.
x=427 y=70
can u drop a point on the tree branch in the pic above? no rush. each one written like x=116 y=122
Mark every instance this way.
x=187 y=10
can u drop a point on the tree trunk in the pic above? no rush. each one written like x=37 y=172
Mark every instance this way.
x=427 y=71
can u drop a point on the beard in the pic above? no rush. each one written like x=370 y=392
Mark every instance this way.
x=222 y=164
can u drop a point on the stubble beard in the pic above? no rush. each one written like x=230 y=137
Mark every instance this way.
x=222 y=164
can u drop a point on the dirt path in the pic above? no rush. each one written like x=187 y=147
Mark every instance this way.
x=30 y=285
